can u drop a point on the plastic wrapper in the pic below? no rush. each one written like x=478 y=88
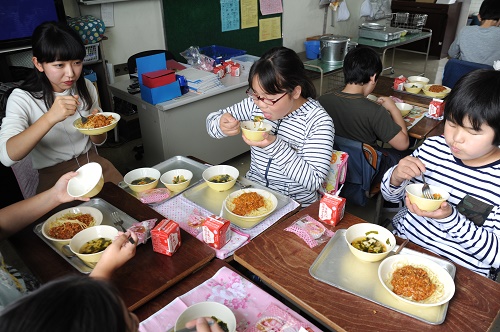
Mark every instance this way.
x=143 y=230
x=310 y=230
x=276 y=319
x=198 y=60
x=155 y=195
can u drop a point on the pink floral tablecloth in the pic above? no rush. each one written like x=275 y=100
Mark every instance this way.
x=187 y=214
x=415 y=115
x=250 y=304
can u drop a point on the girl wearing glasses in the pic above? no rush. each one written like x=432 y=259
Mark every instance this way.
x=294 y=158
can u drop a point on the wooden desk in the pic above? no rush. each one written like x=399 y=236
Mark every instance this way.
x=282 y=260
x=424 y=128
x=139 y=280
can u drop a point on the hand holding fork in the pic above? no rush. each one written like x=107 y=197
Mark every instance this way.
x=119 y=222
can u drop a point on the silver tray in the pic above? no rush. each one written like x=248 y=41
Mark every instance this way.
x=211 y=200
x=106 y=210
x=387 y=34
x=175 y=163
x=338 y=267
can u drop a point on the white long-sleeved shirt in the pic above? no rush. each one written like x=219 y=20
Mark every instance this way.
x=63 y=142
x=455 y=237
x=297 y=163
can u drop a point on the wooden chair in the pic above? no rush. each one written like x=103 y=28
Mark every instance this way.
x=455 y=69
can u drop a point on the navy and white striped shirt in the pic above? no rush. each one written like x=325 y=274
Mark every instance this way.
x=297 y=163
x=455 y=237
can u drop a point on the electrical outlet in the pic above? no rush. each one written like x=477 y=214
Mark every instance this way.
x=121 y=69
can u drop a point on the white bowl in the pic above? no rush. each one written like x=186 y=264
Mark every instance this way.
x=168 y=179
x=207 y=309
x=404 y=108
x=268 y=196
x=372 y=97
x=441 y=94
x=100 y=130
x=88 y=182
x=377 y=232
x=390 y=264
x=139 y=173
x=418 y=79
x=413 y=87
x=220 y=170
x=78 y=209
x=254 y=130
x=89 y=234
x=414 y=192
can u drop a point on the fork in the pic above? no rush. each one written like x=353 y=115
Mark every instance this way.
x=119 y=222
x=426 y=191
x=84 y=119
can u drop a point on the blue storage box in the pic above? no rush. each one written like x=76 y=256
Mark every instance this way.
x=160 y=94
x=220 y=53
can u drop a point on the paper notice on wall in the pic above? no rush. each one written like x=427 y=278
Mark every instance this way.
x=269 y=28
x=268 y=7
x=249 y=13
x=230 y=15
x=107 y=14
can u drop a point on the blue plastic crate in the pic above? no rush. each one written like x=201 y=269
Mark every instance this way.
x=220 y=53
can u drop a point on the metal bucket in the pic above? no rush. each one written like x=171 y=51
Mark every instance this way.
x=333 y=49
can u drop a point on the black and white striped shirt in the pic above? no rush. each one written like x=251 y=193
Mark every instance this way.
x=297 y=163
x=455 y=237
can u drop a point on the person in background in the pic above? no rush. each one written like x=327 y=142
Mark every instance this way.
x=39 y=114
x=17 y=216
x=77 y=304
x=480 y=43
x=294 y=158
x=465 y=161
x=361 y=119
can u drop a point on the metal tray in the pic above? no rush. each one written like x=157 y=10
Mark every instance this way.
x=420 y=94
x=387 y=34
x=106 y=210
x=211 y=200
x=175 y=163
x=338 y=267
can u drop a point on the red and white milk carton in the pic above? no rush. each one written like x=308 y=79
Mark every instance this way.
x=220 y=71
x=235 y=69
x=399 y=83
x=216 y=231
x=166 y=237
x=436 y=108
x=331 y=209
x=228 y=65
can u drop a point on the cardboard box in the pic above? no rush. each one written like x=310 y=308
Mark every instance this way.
x=158 y=78
x=216 y=231
x=160 y=94
x=331 y=209
x=166 y=237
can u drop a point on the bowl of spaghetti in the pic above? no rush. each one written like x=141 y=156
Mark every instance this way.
x=436 y=90
x=97 y=123
x=250 y=205
x=416 y=280
x=62 y=226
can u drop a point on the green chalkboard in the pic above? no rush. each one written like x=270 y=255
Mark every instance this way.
x=198 y=23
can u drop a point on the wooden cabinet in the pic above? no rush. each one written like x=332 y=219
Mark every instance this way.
x=442 y=20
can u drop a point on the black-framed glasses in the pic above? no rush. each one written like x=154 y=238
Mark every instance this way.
x=266 y=101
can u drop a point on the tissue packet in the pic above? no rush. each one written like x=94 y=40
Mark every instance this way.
x=310 y=230
x=143 y=230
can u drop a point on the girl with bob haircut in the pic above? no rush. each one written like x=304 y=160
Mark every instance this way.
x=39 y=114
x=294 y=158
x=465 y=161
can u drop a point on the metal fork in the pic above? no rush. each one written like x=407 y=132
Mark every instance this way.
x=84 y=119
x=119 y=222
x=426 y=191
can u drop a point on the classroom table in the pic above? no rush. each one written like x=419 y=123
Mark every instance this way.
x=426 y=127
x=282 y=260
x=140 y=279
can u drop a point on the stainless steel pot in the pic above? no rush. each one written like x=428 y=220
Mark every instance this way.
x=333 y=49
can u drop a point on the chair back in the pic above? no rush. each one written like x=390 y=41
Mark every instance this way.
x=362 y=166
x=455 y=69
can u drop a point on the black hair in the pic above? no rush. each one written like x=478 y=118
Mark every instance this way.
x=360 y=64
x=476 y=96
x=281 y=70
x=490 y=10
x=53 y=41
x=75 y=303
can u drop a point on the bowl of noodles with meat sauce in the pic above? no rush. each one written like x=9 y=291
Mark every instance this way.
x=62 y=226
x=436 y=90
x=250 y=205
x=98 y=123
x=416 y=280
